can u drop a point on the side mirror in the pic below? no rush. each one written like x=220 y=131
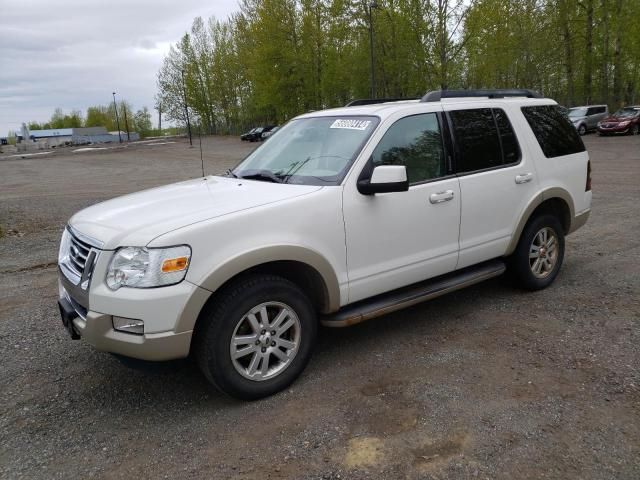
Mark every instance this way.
x=385 y=179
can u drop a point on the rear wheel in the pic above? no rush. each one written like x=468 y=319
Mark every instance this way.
x=539 y=254
x=256 y=337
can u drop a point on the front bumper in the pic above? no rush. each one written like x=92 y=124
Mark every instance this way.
x=97 y=330
x=169 y=315
x=614 y=130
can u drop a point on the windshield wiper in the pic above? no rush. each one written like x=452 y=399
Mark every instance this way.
x=263 y=175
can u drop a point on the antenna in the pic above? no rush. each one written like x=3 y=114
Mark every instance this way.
x=200 y=138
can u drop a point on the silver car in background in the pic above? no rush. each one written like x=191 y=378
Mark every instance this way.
x=586 y=118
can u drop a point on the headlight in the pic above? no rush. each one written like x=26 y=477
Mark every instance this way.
x=148 y=267
x=624 y=124
x=65 y=244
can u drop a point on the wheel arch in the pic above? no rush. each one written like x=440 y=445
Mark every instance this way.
x=556 y=201
x=302 y=266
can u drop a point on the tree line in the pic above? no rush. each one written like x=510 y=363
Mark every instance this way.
x=274 y=59
x=100 y=116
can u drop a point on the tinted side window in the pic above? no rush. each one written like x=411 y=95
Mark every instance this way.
x=510 y=147
x=553 y=130
x=416 y=143
x=477 y=139
x=592 y=111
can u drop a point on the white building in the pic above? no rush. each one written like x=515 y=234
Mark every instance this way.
x=78 y=136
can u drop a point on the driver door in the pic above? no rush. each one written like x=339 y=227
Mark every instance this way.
x=396 y=239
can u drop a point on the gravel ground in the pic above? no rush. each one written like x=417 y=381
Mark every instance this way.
x=489 y=382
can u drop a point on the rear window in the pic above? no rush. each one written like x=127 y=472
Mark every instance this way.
x=553 y=130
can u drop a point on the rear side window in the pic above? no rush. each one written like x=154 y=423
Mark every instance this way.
x=484 y=139
x=553 y=130
x=510 y=147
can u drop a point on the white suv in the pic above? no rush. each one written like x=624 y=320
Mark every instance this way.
x=344 y=215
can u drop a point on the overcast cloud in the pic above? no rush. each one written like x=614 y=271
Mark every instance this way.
x=73 y=54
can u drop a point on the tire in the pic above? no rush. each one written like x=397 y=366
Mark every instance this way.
x=524 y=270
x=582 y=130
x=228 y=316
x=635 y=130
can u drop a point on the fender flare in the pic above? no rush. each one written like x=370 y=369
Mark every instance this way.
x=539 y=199
x=274 y=253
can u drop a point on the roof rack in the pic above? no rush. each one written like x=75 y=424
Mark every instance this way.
x=373 y=101
x=437 y=95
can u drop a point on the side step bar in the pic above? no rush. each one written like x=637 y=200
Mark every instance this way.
x=413 y=294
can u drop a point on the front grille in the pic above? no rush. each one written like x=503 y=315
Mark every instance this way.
x=78 y=254
x=77 y=257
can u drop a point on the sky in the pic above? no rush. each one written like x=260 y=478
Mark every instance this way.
x=73 y=54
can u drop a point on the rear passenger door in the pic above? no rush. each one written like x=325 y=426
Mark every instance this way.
x=497 y=180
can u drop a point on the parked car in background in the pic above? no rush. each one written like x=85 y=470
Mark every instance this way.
x=268 y=133
x=245 y=136
x=586 y=118
x=255 y=135
x=624 y=121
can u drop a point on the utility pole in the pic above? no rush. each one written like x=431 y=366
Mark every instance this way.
x=186 y=108
x=117 y=119
x=160 y=118
x=370 y=7
x=126 y=124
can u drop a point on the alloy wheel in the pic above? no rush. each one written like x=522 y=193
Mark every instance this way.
x=543 y=252
x=265 y=341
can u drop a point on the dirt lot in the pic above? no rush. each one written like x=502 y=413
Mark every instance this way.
x=489 y=382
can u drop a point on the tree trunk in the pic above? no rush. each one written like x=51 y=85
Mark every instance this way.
x=568 y=51
x=617 y=58
x=604 y=74
x=588 y=54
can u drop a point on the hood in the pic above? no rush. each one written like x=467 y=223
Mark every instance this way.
x=577 y=119
x=136 y=219
x=615 y=119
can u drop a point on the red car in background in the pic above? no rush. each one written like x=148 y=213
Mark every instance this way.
x=624 y=121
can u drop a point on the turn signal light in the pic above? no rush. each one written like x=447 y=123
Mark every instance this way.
x=175 y=264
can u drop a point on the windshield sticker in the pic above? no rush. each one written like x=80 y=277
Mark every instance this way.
x=351 y=124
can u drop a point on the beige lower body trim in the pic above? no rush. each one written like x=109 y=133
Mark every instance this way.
x=579 y=220
x=98 y=331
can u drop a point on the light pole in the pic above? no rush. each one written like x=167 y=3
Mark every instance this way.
x=186 y=108
x=117 y=119
x=126 y=123
x=370 y=7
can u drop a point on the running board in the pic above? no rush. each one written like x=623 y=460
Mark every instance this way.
x=413 y=294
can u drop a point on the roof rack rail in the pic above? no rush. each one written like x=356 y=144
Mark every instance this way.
x=373 y=101
x=437 y=95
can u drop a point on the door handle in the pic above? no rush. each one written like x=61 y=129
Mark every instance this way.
x=441 y=197
x=524 y=178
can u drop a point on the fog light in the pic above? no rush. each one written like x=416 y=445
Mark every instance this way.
x=128 y=325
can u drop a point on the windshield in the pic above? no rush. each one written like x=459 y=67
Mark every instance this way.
x=578 y=112
x=627 y=112
x=309 y=151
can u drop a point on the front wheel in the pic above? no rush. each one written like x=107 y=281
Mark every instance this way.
x=635 y=130
x=537 y=259
x=582 y=130
x=256 y=336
